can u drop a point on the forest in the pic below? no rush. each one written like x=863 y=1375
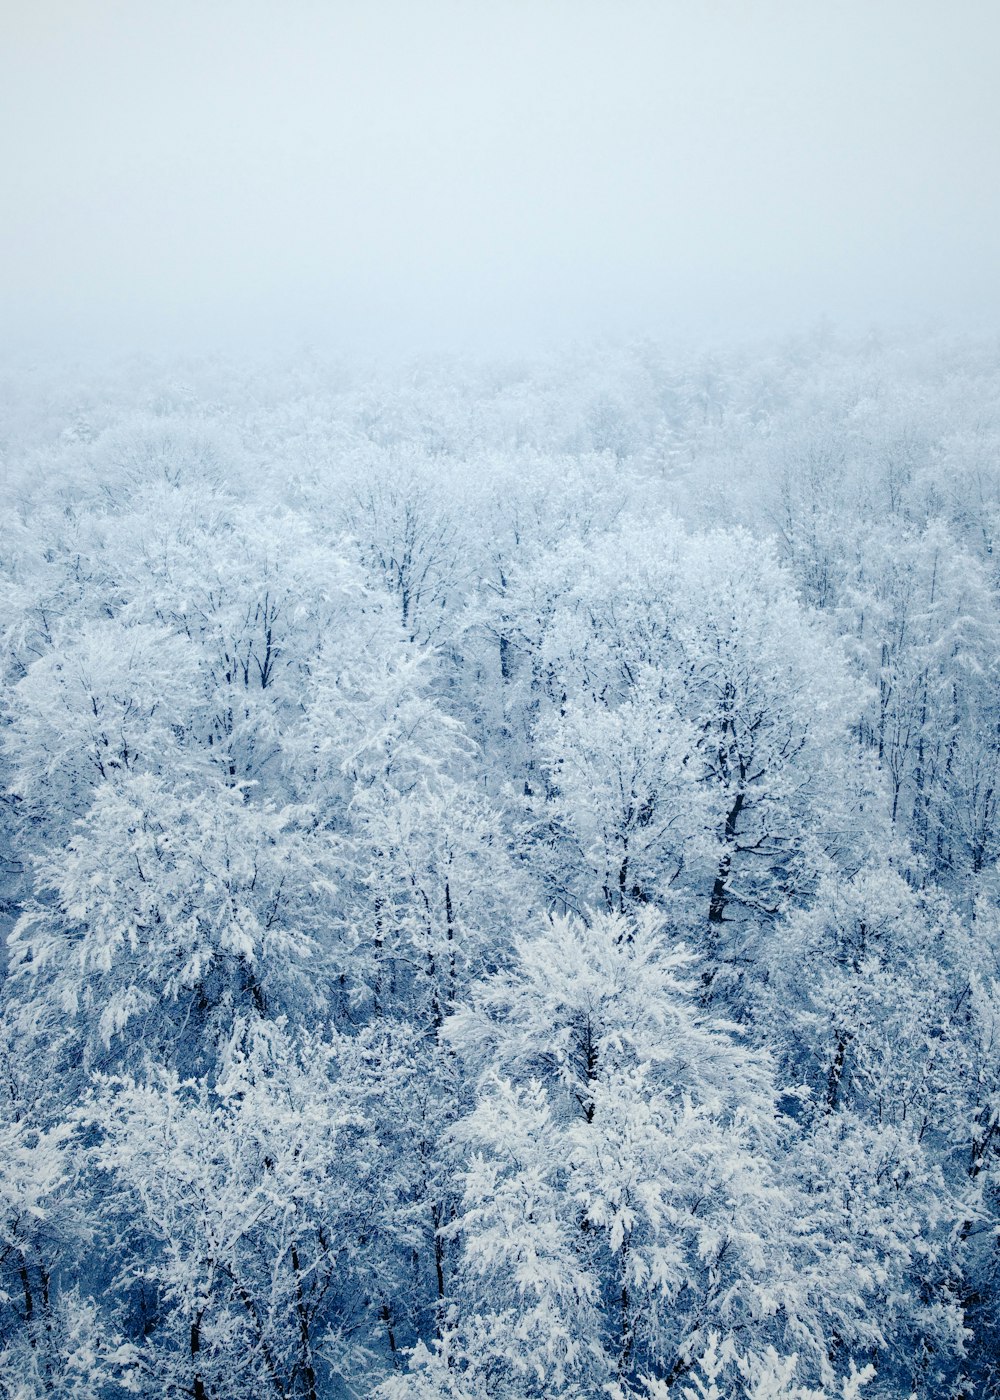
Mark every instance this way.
x=499 y=874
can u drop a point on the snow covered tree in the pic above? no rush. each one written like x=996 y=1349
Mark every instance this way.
x=617 y=1191
x=625 y=808
x=237 y=1216
x=178 y=908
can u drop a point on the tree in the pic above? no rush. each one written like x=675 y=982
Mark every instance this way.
x=178 y=909
x=618 y=1142
x=233 y=1207
x=625 y=813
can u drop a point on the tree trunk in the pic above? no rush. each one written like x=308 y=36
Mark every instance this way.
x=720 y=889
x=200 y=1393
x=308 y=1369
x=834 y=1079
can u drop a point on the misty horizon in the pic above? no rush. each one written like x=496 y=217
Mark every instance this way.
x=398 y=178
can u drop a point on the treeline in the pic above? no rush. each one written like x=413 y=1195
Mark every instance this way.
x=500 y=864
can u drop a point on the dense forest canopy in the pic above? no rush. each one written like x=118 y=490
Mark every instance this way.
x=500 y=862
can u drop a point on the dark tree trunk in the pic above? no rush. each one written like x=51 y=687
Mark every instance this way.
x=308 y=1369
x=720 y=889
x=200 y=1393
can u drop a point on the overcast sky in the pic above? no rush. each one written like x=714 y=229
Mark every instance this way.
x=510 y=172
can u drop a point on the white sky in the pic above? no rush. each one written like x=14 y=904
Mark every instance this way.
x=493 y=171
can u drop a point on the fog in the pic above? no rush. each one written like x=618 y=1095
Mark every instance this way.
x=472 y=174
